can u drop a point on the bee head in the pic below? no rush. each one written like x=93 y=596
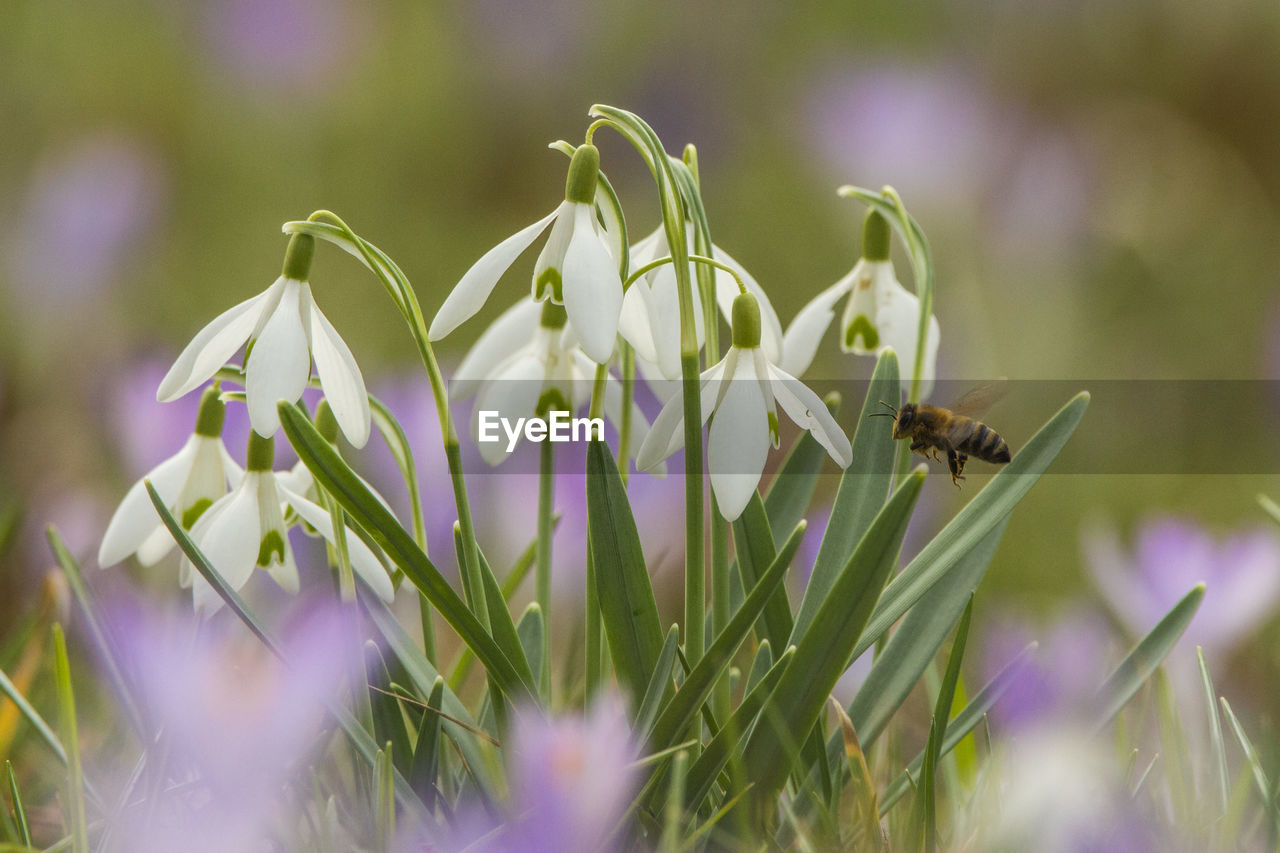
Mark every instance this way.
x=906 y=418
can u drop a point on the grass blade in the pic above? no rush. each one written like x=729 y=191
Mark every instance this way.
x=426 y=753
x=958 y=729
x=864 y=487
x=33 y=717
x=622 y=579
x=1255 y=766
x=753 y=542
x=19 y=810
x=76 y=822
x=825 y=648
x=1220 y=775
x=682 y=708
x=913 y=645
x=659 y=686
x=1146 y=656
x=731 y=737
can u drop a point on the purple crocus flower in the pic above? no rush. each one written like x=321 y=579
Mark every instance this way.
x=571 y=778
x=237 y=721
x=1241 y=574
x=934 y=132
x=87 y=206
x=1061 y=680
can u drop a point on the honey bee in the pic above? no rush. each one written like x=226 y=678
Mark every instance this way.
x=959 y=436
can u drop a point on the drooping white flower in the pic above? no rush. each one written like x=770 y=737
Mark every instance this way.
x=188 y=482
x=528 y=363
x=740 y=391
x=651 y=308
x=285 y=330
x=577 y=267
x=880 y=313
x=246 y=529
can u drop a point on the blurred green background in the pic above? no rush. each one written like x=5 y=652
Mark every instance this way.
x=1099 y=181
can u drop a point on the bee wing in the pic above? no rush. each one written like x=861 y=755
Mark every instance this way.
x=980 y=398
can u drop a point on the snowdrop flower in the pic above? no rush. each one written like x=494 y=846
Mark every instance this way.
x=741 y=391
x=880 y=313
x=577 y=267
x=188 y=482
x=529 y=362
x=246 y=529
x=284 y=329
x=651 y=308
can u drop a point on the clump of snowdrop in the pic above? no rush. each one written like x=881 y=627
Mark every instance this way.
x=577 y=267
x=739 y=395
x=283 y=329
x=879 y=313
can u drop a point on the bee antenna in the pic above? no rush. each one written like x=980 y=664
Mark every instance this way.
x=890 y=406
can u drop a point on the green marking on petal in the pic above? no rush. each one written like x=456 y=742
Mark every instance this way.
x=193 y=512
x=271 y=550
x=552 y=401
x=774 y=431
x=861 y=326
x=549 y=284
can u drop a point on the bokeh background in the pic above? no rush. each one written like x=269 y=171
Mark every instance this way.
x=1100 y=182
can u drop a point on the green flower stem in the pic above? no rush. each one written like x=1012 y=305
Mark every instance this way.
x=594 y=626
x=646 y=142
x=400 y=291
x=628 y=358
x=693 y=259
x=542 y=576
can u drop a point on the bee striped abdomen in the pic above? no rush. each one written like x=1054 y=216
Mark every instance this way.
x=985 y=443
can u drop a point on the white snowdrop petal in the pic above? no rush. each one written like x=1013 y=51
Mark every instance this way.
x=136 y=518
x=280 y=364
x=363 y=561
x=341 y=379
x=804 y=407
x=552 y=254
x=504 y=337
x=898 y=323
x=738 y=443
x=800 y=343
x=665 y=437
x=873 y=286
x=285 y=573
x=469 y=295
x=230 y=540
x=154 y=548
x=214 y=345
x=634 y=324
x=592 y=289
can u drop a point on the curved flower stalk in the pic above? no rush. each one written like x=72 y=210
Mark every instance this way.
x=284 y=330
x=577 y=267
x=651 y=308
x=246 y=529
x=530 y=362
x=189 y=482
x=879 y=313
x=741 y=390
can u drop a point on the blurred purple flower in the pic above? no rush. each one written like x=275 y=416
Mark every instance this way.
x=284 y=46
x=571 y=778
x=932 y=132
x=1241 y=575
x=88 y=204
x=527 y=42
x=1061 y=680
x=236 y=719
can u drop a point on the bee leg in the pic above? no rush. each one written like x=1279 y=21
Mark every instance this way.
x=918 y=446
x=955 y=461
